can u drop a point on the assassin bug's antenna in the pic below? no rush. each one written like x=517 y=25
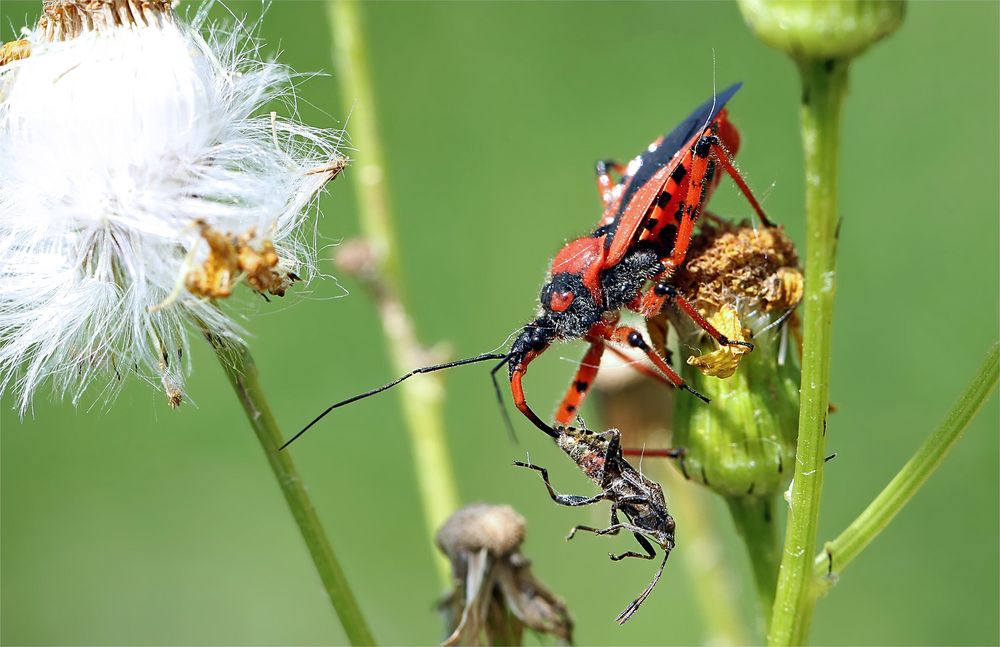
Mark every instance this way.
x=715 y=95
x=503 y=409
x=425 y=369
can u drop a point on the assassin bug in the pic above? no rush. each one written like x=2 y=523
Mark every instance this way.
x=643 y=235
x=649 y=217
x=638 y=498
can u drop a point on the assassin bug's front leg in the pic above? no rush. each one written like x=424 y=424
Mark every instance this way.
x=584 y=377
x=653 y=301
x=632 y=337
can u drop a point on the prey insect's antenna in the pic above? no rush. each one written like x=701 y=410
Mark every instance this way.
x=632 y=608
x=425 y=369
x=503 y=409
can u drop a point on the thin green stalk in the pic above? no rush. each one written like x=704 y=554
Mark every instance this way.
x=841 y=551
x=242 y=373
x=756 y=525
x=708 y=566
x=824 y=84
x=422 y=398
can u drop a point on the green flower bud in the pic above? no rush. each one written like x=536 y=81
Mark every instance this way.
x=822 y=29
x=742 y=280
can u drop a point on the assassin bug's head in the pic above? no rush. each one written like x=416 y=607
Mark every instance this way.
x=568 y=307
x=568 y=311
x=534 y=338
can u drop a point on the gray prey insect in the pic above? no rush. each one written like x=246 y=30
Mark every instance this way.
x=641 y=500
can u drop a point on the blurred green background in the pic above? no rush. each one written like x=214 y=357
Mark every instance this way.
x=141 y=525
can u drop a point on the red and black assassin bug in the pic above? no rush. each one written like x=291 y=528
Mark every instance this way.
x=642 y=237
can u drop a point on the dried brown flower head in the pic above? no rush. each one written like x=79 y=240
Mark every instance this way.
x=15 y=50
x=231 y=258
x=495 y=596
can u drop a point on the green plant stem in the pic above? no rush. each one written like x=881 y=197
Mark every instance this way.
x=841 y=551
x=242 y=373
x=423 y=397
x=708 y=566
x=755 y=522
x=824 y=83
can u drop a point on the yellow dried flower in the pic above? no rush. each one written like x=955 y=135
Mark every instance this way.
x=723 y=362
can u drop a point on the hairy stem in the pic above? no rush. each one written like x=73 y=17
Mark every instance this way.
x=838 y=553
x=824 y=83
x=242 y=373
x=422 y=397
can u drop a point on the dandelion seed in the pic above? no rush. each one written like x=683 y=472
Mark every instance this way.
x=141 y=180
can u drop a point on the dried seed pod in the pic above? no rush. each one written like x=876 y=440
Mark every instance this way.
x=495 y=596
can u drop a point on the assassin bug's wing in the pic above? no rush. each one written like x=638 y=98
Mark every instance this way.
x=648 y=174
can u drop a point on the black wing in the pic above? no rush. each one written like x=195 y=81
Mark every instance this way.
x=660 y=152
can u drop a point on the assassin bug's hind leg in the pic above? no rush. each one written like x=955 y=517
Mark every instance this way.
x=561 y=499
x=712 y=143
x=707 y=150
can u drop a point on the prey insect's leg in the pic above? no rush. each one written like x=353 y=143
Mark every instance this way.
x=644 y=543
x=614 y=530
x=581 y=382
x=635 y=500
x=604 y=181
x=562 y=499
x=632 y=337
x=653 y=302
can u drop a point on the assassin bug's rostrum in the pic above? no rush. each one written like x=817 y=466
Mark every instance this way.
x=638 y=498
x=643 y=235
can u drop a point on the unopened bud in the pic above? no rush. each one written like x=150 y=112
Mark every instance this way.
x=822 y=29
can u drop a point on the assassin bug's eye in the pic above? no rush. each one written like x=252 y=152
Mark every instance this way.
x=560 y=301
x=538 y=341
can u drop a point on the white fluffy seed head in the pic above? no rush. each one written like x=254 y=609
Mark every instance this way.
x=122 y=135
